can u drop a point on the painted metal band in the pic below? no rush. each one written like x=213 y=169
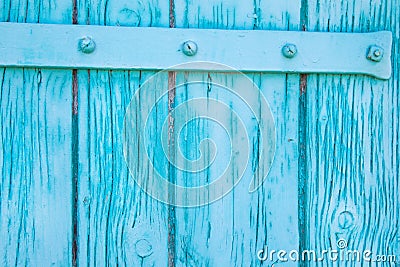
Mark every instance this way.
x=103 y=47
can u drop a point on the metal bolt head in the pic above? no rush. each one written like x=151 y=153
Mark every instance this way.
x=289 y=50
x=375 y=53
x=86 y=45
x=189 y=48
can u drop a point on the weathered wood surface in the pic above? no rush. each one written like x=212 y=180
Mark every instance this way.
x=35 y=152
x=115 y=214
x=118 y=224
x=231 y=231
x=337 y=138
x=352 y=141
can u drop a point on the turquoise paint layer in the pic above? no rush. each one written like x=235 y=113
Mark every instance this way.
x=35 y=152
x=351 y=150
x=353 y=154
x=38 y=45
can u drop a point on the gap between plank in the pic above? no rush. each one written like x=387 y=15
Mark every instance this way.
x=75 y=151
x=302 y=161
x=171 y=150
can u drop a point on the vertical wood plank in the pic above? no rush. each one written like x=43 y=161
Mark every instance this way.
x=353 y=154
x=115 y=214
x=32 y=11
x=119 y=224
x=35 y=167
x=231 y=231
x=35 y=152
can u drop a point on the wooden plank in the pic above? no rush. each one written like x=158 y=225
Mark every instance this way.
x=352 y=149
x=31 y=11
x=38 y=45
x=36 y=167
x=230 y=231
x=118 y=223
x=114 y=213
x=150 y=13
x=35 y=157
x=214 y=14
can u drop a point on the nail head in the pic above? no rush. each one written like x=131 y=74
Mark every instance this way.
x=289 y=50
x=375 y=53
x=87 y=45
x=189 y=48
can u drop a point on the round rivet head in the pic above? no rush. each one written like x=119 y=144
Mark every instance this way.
x=86 y=45
x=143 y=248
x=375 y=53
x=189 y=48
x=289 y=50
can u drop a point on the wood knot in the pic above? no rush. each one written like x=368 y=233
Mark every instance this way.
x=143 y=248
x=346 y=219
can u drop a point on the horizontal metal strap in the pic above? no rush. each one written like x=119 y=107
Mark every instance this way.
x=103 y=47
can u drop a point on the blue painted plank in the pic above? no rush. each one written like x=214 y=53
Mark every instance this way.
x=353 y=155
x=35 y=160
x=118 y=223
x=231 y=231
x=115 y=215
x=31 y=11
x=35 y=152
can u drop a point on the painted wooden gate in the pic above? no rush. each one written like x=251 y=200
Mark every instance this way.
x=68 y=197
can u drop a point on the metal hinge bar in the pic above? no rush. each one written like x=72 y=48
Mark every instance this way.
x=102 y=47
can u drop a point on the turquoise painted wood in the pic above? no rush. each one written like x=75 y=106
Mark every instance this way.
x=67 y=196
x=352 y=125
x=118 y=223
x=230 y=232
x=35 y=152
x=119 y=219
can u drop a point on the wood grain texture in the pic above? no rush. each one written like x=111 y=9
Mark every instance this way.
x=229 y=232
x=35 y=152
x=33 y=11
x=352 y=141
x=118 y=224
x=35 y=162
x=149 y=13
x=114 y=213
